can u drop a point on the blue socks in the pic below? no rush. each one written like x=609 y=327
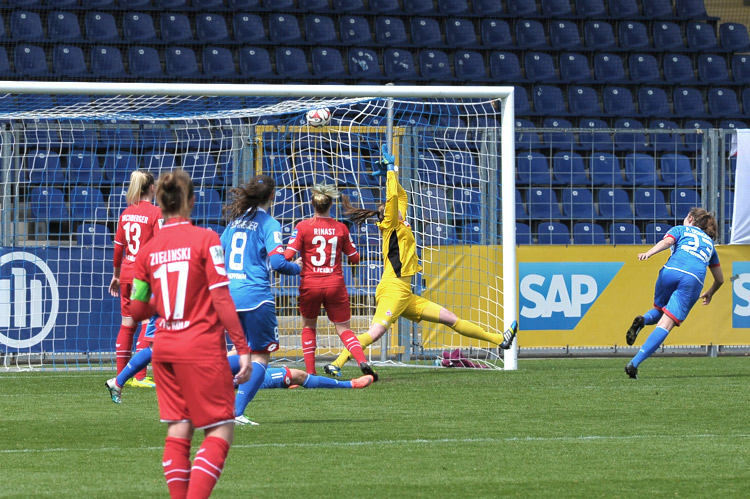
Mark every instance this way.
x=652 y=316
x=247 y=390
x=137 y=362
x=653 y=342
x=314 y=381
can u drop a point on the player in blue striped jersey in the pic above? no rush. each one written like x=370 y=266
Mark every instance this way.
x=680 y=281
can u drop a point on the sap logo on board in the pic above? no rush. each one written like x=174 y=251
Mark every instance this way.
x=25 y=290
x=740 y=294
x=555 y=296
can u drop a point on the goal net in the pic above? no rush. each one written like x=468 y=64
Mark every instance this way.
x=67 y=151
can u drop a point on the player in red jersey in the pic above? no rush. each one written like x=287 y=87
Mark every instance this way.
x=320 y=242
x=138 y=223
x=183 y=267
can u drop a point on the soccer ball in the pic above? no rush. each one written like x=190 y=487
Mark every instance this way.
x=318 y=117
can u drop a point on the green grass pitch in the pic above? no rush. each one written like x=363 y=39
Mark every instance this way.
x=554 y=428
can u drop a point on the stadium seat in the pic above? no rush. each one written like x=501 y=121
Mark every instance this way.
x=557 y=8
x=438 y=234
x=741 y=68
x=609 y=68
x=530 y=35
x=523 y=234
x=658 y=9
x=201 y=166
x=701 y=36
x=574 y=68
x=668 y=141
x=399 y=64
x=734 y=37
x=522 y=8
x=592 y=137
x=460 y=33
x=532 y=169
x=722 y=102
x=527 y=136
x=591 y=8
x=633 y=35
x=26 y=26
x=158 y=162
x=728 y=203
x=211 y=28
x=625 y=233
x=691 y=9
x=118 y=166
x=208 y=205
x=138 y=27
x=614 y=204
x=605 y=170
x=504 y=66
x=652 y=101
x=248 y=28
x=68 y=60
x=469 y=66
x=304 y=5
x=688 y=102
x=644 y=68
x=668 y=37
x=419 y=7
x=548 y=99
x=342 y=5
x=204 y=5
x=568 y=168
x=284 y=29
x=218 y=62
x=588 y=233
x=434 y=202
x=363 y=63
x=712 y=69
x=63 y=27
x=48 y=204
x=640 y=169
x=599 y=35
x=487 y=8
x=425 y=32
x=542 y=204
x=87 y=203
x=624 y=9
x=4 y=62
x=435 y=65
x=496 y=34
x=694 y=141
x=682 y=200
x=388 y=31
x=320 y=30
x=101 y=27
x=255 y=62
x=93 y=234
x=385 y=6
x=430 y=168
x=461 y=168
x=44 y=167
x=30 y=60
x=84 y=168
x=144 y=62
x=540 y=66
x=520 y=101
x=618 y=101
x=558 y=137
x=175 y=28
x=746 y=101
x=180 y=62
x=467 y=204
x=678 y=68
x=356 y=29
x=578 y=203
x=564 y=34
x=649 y=204
x=106 y=62
x=327 y=63
x=521 y=213
x=655 y=231
x=291 y=62
x=552 y=233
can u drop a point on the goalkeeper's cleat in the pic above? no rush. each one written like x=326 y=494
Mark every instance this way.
x=363 y=381
x=631 y=371
x=509 y=335
x=146 y=382
x=367 y=369
x=332 y=370
x=115 y=392
x=635 y=328
x=242 y=420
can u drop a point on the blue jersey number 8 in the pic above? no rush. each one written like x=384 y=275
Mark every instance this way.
x=237 y=251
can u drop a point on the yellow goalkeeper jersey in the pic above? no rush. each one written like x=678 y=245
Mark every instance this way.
x=399 y=246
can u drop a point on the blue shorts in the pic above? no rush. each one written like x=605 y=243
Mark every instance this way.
x=261 y=328
x=675 y=293
x=277 y=377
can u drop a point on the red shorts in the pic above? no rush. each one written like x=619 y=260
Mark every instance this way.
x=201 y=393
x=334 y=300
x=125 y=290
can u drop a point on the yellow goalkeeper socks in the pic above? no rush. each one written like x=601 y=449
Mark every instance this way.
x=471 y=330
x=364 y=339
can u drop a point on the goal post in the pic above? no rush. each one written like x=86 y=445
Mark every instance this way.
x=68 y=148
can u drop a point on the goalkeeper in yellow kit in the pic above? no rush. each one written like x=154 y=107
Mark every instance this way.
x=393 y=295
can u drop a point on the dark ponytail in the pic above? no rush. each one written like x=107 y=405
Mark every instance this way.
x=360 y=215
x=253 y=194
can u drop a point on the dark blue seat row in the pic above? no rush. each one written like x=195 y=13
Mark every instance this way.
x=591 y=233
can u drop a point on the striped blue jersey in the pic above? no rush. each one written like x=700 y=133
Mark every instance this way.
x=692 y=251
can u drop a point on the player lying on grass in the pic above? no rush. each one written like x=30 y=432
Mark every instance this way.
x=393 y=295
x=680 y=281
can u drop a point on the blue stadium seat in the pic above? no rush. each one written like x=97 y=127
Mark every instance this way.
x=496 y=34
x=722 y=102
x=180 y=62
x=218 y=62
x=388 y=31
x=63 y=27
x=532 y=169
x=605 y=170
x=553 y=233
x=144 y=62
x=734 y=37
x=728 y=204
x=327 y=63
x=425 y=32
x=487 y=8
x=467 y=204
x=599 y=35
x=175 y=28
x=649 y=204
x=435 y=65
x=248 y=28
x=678 y=68
x=668 y=36
x=461 y=168
x=343 y=5
x=521 y=212
x=633 y=35
x=30 y=60
x=557 y=8
x=542 y=203
x=385 y=6
x=158 y=162
x=469 y=65
x=437 y=234
x=741 y=68
x=138 y=27
x=210 y=5
x=588 y=233
x=527 y=136
x=658 y=9
x=575 y=68
x=522 y=8
x=399 y=64
x=691 y=9
x=568 y=168
x=208 y=205
x=118 y=165
x=530 y=35
x=609 y=68
x=618 y=101
x=201 y=166
x=168 y=4
x=668 y=141
x=593 y=138
x=93 y=234
x=644 y=68
x=548 y=99
x=286 y=205
x=504 y=66
x=44 y=167
x=48 y=203
x=614 y=204
x=712 y=68
x=320 y=30
x=356 y=29
x=591 y=8
x=430 y=168
x=305 y=5
x=624 y=9
x=655 y=231
x=558 y=137
x=26 y=26
x=291 y=62
x=540 y=66
x=87 y=203
x=578 y=203
x=212 y=28
x=101 y=27
x=4 y=62
x=701 y=36
x=640 y=169
x=520 y=100
x=363 y=63
x=694 y=141
x=746 y=101
x=255 y=62
x=68 y=60
x=523 y=234
x=652 y=101
x=453 y=7
x=419 y=7
x=309 y=166
x=625 y=233
x=682 y=200
x=460 y=33
x=564 y=34
x=284 y=29
x=434 y=202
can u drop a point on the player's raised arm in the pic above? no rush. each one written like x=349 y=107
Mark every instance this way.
x=395 y=196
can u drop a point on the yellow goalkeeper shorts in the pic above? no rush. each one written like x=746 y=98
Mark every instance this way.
x=395 y=299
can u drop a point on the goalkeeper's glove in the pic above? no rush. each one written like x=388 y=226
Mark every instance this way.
x=386 y=163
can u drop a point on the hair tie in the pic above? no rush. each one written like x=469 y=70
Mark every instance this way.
x=260 y=181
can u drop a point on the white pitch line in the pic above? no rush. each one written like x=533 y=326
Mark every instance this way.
x=417 y=441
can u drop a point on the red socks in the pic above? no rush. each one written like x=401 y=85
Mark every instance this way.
x=352 y=344
x=176 y=463
x=124 y=346
x=309 y=344
x=207 y=467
